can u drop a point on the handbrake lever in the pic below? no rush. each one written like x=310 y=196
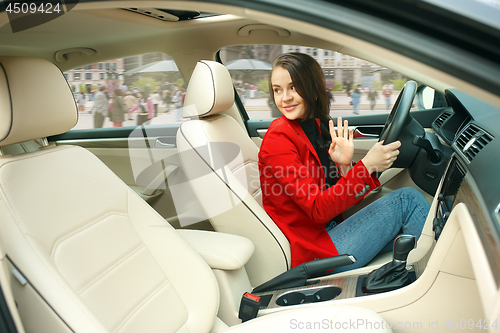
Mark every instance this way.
x=297 y=276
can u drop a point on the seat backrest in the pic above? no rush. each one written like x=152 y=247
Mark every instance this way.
x=220 y=162
x=95 y=257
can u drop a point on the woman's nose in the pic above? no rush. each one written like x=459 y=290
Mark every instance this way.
x=287 y=96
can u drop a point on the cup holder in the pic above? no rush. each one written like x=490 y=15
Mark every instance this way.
x=308 y=296
x=292 y=298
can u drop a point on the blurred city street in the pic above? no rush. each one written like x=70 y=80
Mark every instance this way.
x=257 y=108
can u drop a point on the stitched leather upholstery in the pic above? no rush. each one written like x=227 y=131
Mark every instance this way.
x=230 y=195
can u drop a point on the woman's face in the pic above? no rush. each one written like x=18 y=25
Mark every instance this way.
x=287 y=99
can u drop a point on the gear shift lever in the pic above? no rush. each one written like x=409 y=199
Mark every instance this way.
x=403 y=244
x=392 y=275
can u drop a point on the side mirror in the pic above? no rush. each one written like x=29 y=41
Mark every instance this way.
x=428 y=98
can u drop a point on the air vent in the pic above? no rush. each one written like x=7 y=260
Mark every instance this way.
x=471 y=141
x=155 y=13
x=442 y=118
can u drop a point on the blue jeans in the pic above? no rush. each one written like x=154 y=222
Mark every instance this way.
x=355 y=107
x=372 y=230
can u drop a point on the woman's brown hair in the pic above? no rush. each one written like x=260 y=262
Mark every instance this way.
x=309 y=81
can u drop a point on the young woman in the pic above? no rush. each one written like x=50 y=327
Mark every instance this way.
x=308 y=178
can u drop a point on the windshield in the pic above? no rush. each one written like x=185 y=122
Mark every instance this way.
x=484 y=11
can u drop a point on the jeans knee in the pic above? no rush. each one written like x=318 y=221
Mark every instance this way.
x=412 y=194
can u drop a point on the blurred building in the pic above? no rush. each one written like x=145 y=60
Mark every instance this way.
x=341 y=68
x=109 y=73
x=90 y=77
x=338 y=68
x=265 y=53
x=140 y=60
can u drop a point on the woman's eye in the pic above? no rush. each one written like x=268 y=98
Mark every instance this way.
x=277 y=90
x=293 y=88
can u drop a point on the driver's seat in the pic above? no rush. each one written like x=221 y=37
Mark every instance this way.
x=220 y=162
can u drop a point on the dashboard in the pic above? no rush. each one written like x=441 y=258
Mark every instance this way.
x=467 y=125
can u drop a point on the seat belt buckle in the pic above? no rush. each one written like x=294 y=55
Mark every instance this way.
x=249 y=307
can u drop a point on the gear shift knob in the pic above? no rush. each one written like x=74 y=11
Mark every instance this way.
x=392 y=275
x=403 y=244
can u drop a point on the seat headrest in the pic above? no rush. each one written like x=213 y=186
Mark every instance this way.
x=210 y=90
x=35 y=100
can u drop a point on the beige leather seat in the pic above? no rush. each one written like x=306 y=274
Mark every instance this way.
x=88 y=253
x=220 y=162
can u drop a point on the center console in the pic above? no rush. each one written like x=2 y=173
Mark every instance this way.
x=333 y=287
x=451 y=184
x=347 y=286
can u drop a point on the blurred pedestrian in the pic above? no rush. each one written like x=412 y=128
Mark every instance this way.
x=118 y=109
x=348 y=86
x=387 y=92
x=144 y=107
x=81 y=102
x=100 y=110
x=330 y=95
x=147 y=90
x=90 y=92
x=166 y=95
x=155 y=97
x=129 y=101
x=372 y=97
x=356 y=99
x=136 y=89
x=178 y=101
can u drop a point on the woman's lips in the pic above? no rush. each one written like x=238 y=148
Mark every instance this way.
x=289 y=108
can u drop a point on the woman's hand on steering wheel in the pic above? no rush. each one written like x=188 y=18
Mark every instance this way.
x=380 y=158
x=342 y=147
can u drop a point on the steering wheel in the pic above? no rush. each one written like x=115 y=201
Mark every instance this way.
x=399 y=114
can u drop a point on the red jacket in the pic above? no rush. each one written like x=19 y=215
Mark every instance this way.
x=294 y=192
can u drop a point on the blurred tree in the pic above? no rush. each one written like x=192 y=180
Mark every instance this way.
x=338 y=87
x=263 y=85
x=379 y=85
x=180 y=83
x=398 y=83
x=141 y=83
